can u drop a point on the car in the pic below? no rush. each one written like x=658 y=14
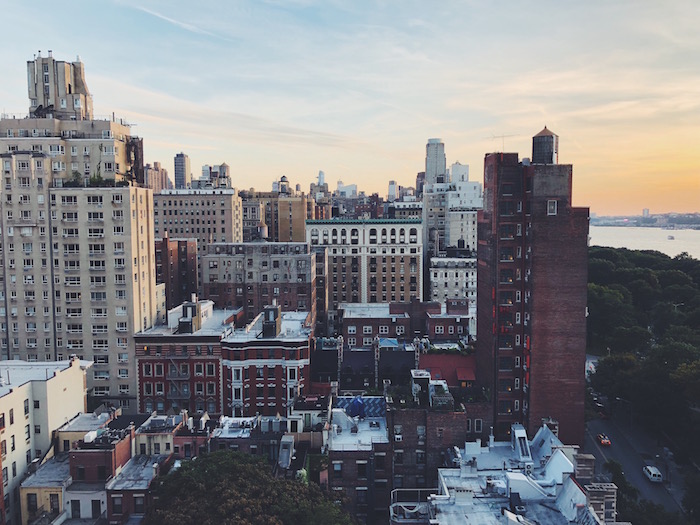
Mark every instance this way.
x=604 y=440
x=653 y=474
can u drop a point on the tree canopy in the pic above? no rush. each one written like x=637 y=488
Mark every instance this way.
x=644 y=318
x=235 y=488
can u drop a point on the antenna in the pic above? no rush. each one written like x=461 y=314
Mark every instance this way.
x=503 y=139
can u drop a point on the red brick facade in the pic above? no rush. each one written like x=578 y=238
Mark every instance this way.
x=532 y=274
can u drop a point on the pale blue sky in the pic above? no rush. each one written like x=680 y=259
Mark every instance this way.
x=356 y=88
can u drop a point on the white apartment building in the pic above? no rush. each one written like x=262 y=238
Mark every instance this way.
x=77 y=264
x=35 y=400
x=455 y=278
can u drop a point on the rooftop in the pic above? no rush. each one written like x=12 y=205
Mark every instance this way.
x=123 y=421
x=138 y=473
x=217 y=323
x=242 y=427
x=159 y=424
x=293 y=328
x=235 y=427
x=206 y=192
x=533 y=475
x=16 y=373
x=357 y=423
x=368 y=310
x=342 y=220
x=86 y=422
x=55 y=472
x=305 y=403
x=452 y=368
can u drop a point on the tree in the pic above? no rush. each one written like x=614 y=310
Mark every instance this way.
x=235 y=488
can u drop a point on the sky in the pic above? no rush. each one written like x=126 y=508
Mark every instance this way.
x=355 y=88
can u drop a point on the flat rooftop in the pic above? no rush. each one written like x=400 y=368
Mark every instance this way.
x=348 y=434
x=55 y=472
x=157 y=424
x=235 y=427
x=214 y=323
x=368 y=310
x=86 y=422
x=293 y=328
x=138 y=473
x=16 y=373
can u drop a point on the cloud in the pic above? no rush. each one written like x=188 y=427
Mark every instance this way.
x=182 y=25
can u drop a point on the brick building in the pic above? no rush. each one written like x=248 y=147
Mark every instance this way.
x=177 y=268
x=179 y=364
x=266 y=364
x=359 y=457
x=129 y=493
x=532 y=275
x=254 y=275
x=257 y=435
x=359 y=324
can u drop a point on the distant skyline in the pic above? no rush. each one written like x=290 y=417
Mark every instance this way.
x=357 y=88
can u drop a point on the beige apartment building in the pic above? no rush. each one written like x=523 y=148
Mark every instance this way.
x=285 y=211
x=77 y=271
x=208 y=215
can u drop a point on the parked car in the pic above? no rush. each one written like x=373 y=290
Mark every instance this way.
x=652 y=474
x=604 y=440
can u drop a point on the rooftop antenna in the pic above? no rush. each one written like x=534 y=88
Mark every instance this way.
x=503 y=139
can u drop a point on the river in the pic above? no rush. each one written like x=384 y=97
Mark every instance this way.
x=647 y=239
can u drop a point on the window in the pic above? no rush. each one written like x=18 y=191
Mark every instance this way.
x=367 y=329
x=337 y=469
x=139 y=503
x=478 y=425
x=362 y=469
x=551 y=207
x=439 y=329
x=117 y=505
x=352 y=329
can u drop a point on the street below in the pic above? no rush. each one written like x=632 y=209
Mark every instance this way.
x=633 y=449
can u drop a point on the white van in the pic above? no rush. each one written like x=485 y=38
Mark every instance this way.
x=653 y=474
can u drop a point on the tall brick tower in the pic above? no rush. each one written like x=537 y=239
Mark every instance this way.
x=531 y=293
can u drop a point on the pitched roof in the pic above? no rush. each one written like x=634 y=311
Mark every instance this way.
x=545 y=133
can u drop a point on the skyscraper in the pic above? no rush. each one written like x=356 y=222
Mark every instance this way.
x=183 y=174
x=531 y=294
x=435 y=162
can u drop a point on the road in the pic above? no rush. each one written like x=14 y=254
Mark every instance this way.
x=632 y=457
